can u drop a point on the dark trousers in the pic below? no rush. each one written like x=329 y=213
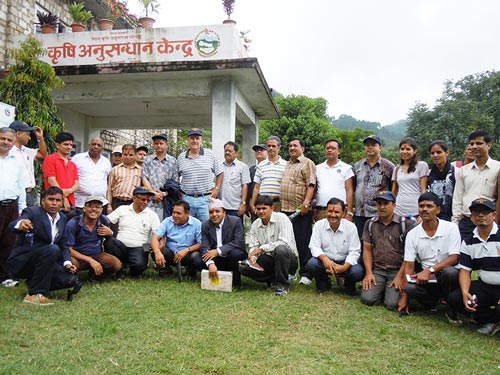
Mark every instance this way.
x=8 y=213
x=465 y=226
x=488 y=309
x=360 y=221
x=135 y=257
x=235 y=213
x=354 y=274
x=277 y=266
x=43 y=271
x=428 y=295
x=230 y=263
x=302 y=230
x=192 y=260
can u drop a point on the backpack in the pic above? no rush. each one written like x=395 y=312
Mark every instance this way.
x=402 y=227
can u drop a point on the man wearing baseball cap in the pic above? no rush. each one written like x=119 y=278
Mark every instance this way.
x=383 y=250
x=372 y=174
x=157 y=170
x=479 y=251
x=85 y=234
x=26 y=156
x=136 y=223
x=201 y=174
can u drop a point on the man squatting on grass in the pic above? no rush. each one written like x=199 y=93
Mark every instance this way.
x=431 y=249
x=383 y=250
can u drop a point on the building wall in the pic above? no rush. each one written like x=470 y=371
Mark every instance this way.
x=19 y=17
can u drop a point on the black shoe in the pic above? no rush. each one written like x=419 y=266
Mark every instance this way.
x=191 y=272
x=74 y=291
x=165 y=272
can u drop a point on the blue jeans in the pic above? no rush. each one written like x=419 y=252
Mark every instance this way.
x=199 y=206
x=323 y=280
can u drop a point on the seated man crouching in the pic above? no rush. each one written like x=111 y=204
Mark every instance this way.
x=85 y=235
x=41 y=253
x=136 y=223
x=222 y=242
x=182 y=234
x=335 y=249
x=272 y=247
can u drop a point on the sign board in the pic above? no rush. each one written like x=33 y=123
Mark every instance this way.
x=7 y=114
x=224 y=284
x=193 y=43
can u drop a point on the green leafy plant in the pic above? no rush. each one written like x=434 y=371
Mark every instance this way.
x=79 y=13
x=47 y=19
x=150 y=6
x=28 y=87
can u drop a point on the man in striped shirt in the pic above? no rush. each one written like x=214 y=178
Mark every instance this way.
x=201 y=175
x=480 y=251
x=123 y=179
x=268 y=174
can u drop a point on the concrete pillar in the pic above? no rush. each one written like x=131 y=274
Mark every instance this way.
x=223 y=115
x=250 y=138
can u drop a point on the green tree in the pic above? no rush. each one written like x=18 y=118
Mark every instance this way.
x=466 y=105
x=306 y=118
x=29 y=87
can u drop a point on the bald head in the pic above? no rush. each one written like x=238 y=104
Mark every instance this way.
x=96 y=146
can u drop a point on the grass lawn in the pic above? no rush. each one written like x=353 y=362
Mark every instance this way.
x=153 y=326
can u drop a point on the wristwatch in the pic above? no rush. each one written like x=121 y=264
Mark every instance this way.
x=432 y=269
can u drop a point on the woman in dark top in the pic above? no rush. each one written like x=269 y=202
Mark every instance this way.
x=441 y=180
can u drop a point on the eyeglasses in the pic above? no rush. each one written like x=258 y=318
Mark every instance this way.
x=143 y=199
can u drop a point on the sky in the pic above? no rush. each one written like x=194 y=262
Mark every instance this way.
x=371 y=59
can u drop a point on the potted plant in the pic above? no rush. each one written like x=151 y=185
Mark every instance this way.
x=150 y=7
x=48 y=22
x=112 y=14
x=228 y=9
x=80 y=16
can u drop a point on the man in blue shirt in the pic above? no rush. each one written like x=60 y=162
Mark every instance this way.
x=85 y=235
x=181 y=234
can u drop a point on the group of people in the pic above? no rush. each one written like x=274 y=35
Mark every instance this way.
x=403 y=232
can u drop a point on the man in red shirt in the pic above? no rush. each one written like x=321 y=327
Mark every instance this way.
x=59 y=171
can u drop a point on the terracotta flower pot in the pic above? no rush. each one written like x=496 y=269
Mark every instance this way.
x=105 y=24
x=77 y=27
x=146 y=22
x=48 y=29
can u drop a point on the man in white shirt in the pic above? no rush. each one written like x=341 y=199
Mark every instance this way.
x=478 y=179
x=26 y=156
x=272 y=250
x=93 y=171
x=432 y=250
x=234 y=188
x=334 y=180
x=12 y=200
x=335 y=249
x=136 y=223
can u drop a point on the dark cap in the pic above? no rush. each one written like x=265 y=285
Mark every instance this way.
x=387 y=195
x=142 y=190
x=20 y=126
x=142 y=148
x=482 y=202
x=161 y=135
x=373 y=137
x=195 y=131
x=262 y=146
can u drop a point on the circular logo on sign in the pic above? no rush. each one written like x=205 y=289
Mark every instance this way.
x=207 y=43
x=7 y=112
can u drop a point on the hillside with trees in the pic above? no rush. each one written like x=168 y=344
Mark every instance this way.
x=390 y=134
